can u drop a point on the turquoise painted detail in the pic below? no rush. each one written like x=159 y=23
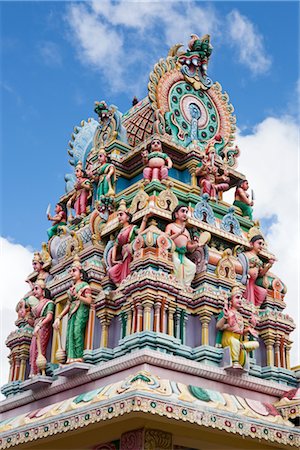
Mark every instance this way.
x=199 y=393
x=192 y=115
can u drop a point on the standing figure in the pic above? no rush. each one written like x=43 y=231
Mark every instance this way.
x=59 y=219
x=42 y=314
x=78 y=307
x=82 y=194
x=158 y=163
x=242 y=199
x=211 y=181
x=184 y=268
x=121 y=252
x=105 y=176
x=40 y=274
x=231 y=324
x=256 y=268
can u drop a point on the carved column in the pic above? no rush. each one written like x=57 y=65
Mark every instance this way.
x=192 y=169
x=287 y=356
x=277 y=352
x=105 y=319
x=147 y=304
x=171 y=312
x=177 y=323
x=157 y=307
x=269 y=341
x=185 y=317
x=123 y=321
x=129 y=322
x=164 y=309
x=139 y=318
x=205 y=318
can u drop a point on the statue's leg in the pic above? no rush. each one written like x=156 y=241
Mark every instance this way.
x=178 y=267
x=147 y=173
x=155 y=173
x=189 y=270
x=164 y=173
x=80 y=322
x=206 y=187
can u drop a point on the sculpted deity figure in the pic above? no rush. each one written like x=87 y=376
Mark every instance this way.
x=42 y=314
x=40 y=274
x=158 y=163
x=256 y=268
x=211 y=181
x=242 y=199
x=83 y=191
x=77 y=308
x=105 y=177
x=121 y=252
x=184 y=268
x=231 y=323
x=59 y=219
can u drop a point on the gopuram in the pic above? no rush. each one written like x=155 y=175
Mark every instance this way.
x=153 y=319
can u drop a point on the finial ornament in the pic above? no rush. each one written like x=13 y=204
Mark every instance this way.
x=122 y=206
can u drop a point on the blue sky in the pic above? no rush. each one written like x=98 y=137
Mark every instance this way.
x=57 y=58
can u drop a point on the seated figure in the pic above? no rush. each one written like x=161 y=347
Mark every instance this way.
x=59 y=219
x=242 y=199
x=158 y=163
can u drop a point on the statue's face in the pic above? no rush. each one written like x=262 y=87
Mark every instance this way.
x=122 y=217
x=245 y=185
x=182 y=213
x=78 y=173
x=58 y=208
x=156 y=145
x=38 y=291
x=102 y=158
x=258 y=245
x=37 y=266
x=236 y=300
x=75 y=272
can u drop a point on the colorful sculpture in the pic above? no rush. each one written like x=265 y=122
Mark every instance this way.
x=231 y=323
x=83 y=191
x=121 y=252
x=59 y=219
x=42 y=314
x=184 y=268
x=242 y=199
x=256 y=268
x=211 y=181
x=105 y=176
x=158 y=163
x=78 y=307
x=40 y=273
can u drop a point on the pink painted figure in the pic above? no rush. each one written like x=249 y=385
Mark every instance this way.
x=121 y=253
x=211 y=181
x=42 y=314
x=158 y=163
x=59 y=218
x=256 y=294
x=83 y=192
x=38 y=267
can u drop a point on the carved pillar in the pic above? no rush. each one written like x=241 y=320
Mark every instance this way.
x=105 y=319
x=287 y=356
x=11 y=368
x=139 y=318
x=269 y=342
x=164 y=309
x=277 y=352
x=89 y=335
x=147 y=304
x=17 y=368
x=123 y=321
x=205 y=318
x=177 y=323
x=184 y=319
x=129 y=322
x=192 y=170
x=171 y=312
x=157 y=307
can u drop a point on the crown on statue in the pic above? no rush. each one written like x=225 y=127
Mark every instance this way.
x=102 y=151
x=235 y=290
x=79 y=165
x=255 y=231
x=41 y=283
x=76 y=262
x=37 y=257
x=122 y=206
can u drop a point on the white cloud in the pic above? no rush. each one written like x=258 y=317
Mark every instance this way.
x=269 y=159
x=15 y=265
x=109 y=36
x=50 y=53
x=249 y=43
